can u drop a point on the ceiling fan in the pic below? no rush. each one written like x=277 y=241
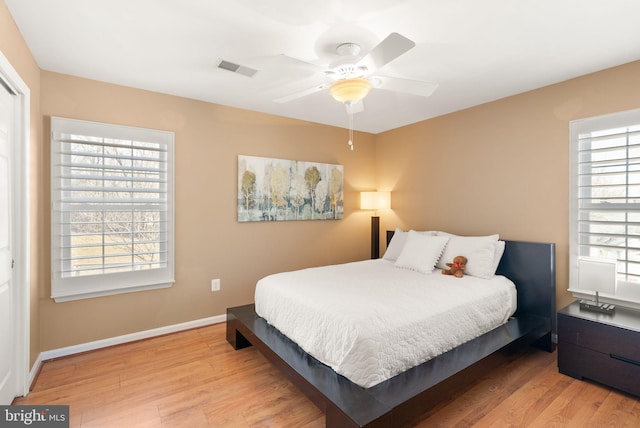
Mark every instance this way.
x=350 y=78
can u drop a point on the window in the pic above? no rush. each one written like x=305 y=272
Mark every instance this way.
x=112 y=209
x=605 y=197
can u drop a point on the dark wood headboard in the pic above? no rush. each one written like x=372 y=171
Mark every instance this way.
x=532 y=268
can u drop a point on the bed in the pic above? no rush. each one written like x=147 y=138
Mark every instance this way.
x=401 y=397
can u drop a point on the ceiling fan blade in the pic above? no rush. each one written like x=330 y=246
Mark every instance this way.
x=353 y=108
x=303 y=93
x=407 y=86
x=282 y=65
x=288 y=61
x=386 y=51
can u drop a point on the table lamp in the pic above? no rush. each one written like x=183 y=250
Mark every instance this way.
x=375 y=201
x=597 y=275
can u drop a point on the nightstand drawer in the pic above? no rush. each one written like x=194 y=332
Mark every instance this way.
x=581 y=363
x=599 y=337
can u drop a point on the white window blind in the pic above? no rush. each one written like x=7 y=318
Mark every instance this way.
x=605 y=200
x=112 y=209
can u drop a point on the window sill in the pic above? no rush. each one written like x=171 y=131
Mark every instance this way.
x=615 y=300
x=102 y=293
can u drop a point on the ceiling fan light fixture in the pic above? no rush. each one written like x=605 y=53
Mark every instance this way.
x=350 y=90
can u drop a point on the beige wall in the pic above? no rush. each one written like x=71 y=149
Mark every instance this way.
x=16 y=51
x=210 y=243
x=502 y=167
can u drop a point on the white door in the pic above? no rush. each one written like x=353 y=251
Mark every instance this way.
x=8 y=387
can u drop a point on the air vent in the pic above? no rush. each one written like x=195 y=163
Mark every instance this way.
x=237 y=68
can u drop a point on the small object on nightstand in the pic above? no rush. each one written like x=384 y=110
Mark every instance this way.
x=602 y=308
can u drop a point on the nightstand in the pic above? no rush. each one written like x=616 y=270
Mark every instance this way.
x=600 y=347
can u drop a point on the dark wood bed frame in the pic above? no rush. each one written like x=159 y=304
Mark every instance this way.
x=394 y=402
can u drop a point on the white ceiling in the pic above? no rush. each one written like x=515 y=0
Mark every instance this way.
x=476 y=51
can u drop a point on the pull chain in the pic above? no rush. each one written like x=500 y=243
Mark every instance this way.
x=351 y=130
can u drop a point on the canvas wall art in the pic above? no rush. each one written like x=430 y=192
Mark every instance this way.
x=279 y=189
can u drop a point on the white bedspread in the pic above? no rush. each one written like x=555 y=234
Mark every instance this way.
x=370 y=321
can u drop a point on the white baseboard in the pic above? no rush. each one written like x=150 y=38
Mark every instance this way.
x=118 y=340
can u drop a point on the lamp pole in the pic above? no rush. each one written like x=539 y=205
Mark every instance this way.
x=375 y=237
x=375 y=201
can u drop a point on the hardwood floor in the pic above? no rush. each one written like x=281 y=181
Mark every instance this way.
x=195 y=379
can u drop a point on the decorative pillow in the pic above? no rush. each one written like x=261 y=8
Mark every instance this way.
x=397 y=243
x=421 y=251
x=480 y=251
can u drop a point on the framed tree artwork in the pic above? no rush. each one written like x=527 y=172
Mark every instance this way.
x=279 y=190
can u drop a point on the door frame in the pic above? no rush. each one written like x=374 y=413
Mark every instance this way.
x=20 y=219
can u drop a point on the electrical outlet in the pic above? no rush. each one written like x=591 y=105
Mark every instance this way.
x=215 y=285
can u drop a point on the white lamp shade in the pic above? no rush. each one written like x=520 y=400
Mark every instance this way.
x=597 y=275
x=375 y=200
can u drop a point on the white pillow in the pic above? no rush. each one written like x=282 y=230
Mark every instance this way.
x=488 y=237
x=395 y=246
x=421 y=252
x=498 y=255
x=480 y=251
x=397 y=243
